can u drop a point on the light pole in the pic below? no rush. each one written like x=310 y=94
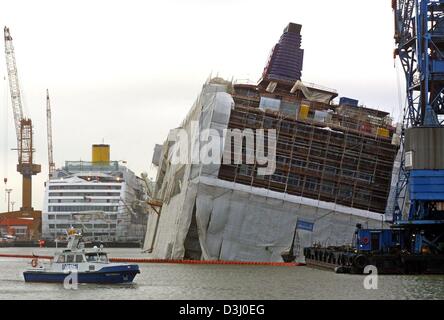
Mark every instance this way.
x=8 y=192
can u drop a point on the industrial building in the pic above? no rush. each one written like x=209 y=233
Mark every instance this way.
x=99 y=197
x=333 y=169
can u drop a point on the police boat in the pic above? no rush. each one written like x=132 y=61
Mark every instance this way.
x=80 y=265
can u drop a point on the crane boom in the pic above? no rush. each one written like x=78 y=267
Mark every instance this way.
x=23 y=127
x=418 y=28
x=14 y=86
x=49 y=134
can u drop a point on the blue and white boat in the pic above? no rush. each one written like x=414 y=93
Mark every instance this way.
x=80 y=265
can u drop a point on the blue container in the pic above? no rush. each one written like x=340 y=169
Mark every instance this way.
x=427 y=185
x=344 y=101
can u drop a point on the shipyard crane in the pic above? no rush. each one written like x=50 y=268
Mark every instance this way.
x=419 y=207
x=415 y=241
x=51 y=164
x=23 y=128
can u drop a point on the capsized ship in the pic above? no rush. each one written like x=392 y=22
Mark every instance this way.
x=334 y=163
x=83 y=265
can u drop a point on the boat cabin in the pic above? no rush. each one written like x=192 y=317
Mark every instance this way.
x=79 y=257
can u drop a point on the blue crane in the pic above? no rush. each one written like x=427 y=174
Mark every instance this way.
x=419 y=207
x=415 y=242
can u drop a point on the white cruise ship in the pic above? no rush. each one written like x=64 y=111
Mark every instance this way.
x=98 y=197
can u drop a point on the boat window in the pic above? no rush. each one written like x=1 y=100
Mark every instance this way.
x=103 y=258
x=79 y=258
x=91 y=257
x=97 y=257
x=61 y=259
x=70 y=258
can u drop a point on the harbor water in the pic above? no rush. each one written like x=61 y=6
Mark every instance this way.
x=218 y=282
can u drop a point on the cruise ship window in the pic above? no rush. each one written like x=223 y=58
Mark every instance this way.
x=363 y=195
x=70 y=258
x=311 y=184
x=101 y=226
x=328 y=188
x=61 y=259
x=295 y=180
x=79 y=258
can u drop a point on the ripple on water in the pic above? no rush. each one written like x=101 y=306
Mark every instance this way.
x=166 y=281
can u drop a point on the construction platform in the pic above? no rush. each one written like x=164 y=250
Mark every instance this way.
x=346 y=260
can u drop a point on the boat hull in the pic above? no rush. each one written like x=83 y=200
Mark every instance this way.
x=106 y=275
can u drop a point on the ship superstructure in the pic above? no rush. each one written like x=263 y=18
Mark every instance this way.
x=96 y=196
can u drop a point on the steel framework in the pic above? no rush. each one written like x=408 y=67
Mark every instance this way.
x=23 y=127
x=419 y=35
x=49 y=135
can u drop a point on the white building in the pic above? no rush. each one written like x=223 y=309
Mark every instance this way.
x=99 y=197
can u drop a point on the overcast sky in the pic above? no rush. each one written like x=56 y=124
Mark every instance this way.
x=125 y=72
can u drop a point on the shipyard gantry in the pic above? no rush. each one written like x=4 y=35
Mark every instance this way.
x=415 y=242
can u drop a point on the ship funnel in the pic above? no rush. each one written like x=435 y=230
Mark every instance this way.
x=100 y=154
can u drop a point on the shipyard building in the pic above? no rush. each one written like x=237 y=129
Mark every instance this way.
x=332 y=168
x=98 y=197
